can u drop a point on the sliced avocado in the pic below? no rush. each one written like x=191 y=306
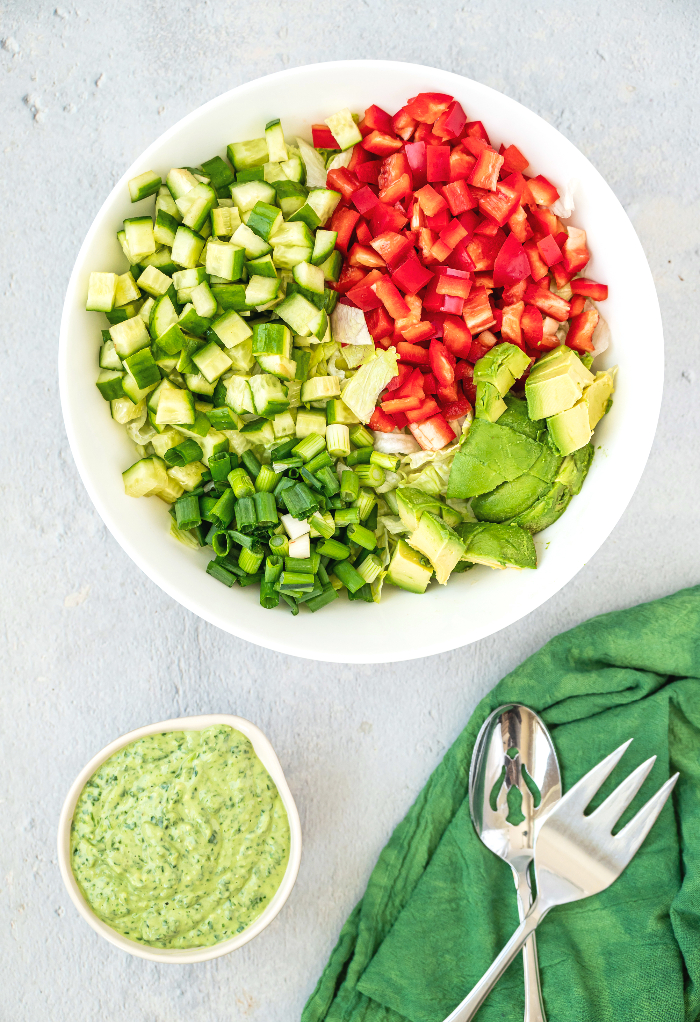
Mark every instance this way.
x=412 y=503
x=509 y=499
x=516 y=418
x=556 y=383
x=545 y=511
x=570 y=430
x=489 y=403
x=582 y=459
x=491 y=454
x=547 y=465
x=498 y=546
x=597 y=396
x=440 y=544
x=501 y=366
x=408 y=569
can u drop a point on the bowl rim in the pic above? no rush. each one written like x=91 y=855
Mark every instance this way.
x=179 y=956
x=587 y=544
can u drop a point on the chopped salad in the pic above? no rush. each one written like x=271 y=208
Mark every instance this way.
x=361 y=360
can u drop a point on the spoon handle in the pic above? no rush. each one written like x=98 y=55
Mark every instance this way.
x=534 y=1008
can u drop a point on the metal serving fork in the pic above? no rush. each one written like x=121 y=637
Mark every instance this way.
x=577 y=856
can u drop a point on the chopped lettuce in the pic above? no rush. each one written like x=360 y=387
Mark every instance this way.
x=360 y=393
x=315 y=167
x=349 y=326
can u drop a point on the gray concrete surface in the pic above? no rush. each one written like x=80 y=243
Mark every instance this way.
x=90 y=647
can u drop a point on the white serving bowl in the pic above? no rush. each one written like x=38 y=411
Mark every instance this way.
x=473 y=605
x=266 y=755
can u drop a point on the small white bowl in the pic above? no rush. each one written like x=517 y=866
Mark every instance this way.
x=266 y=755
x=475 y=604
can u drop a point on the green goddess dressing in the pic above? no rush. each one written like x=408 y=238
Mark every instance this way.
x=181 y=839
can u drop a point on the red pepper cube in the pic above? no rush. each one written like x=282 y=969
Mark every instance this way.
x=368 y=172
x=363 y=233
x=364 y=199
x=459 y=258
x=440 y=220
x=363 y=255
x=538 y=267
x=531 y=326
x=391 y=297
x=386 y=218
x=519 y=226
x=501 y=204
x=486 y=170
x=477 y=312
x=410 y=275
x=484 y=249
x=510 y=323
x=457 y=337
x=342 y=180
x=378 y=120
x=549 y=250
x=458 y=197
x=427 y=408
x=416 y=154
x=379 y=323
x=400 y=404
x=323 y=137
x=403 y=124
x=350 y=277
x=363 y=296
x=576 y=305
x=381 y=144
x=462 y=164
x=453 y=233
x=511 y=264
x=392 y=247
x=427 y=106
x=412 y=385
x=396 y=382
x=513 y=159
x=438 y=162
x=396 y=190
x=422 y=331
x=433 y=434
x=475 y=129
x=413 y=354
x=454 y=282
x=451 y=122
x=381 y=422
x=543 y=191
x=590 y=289
x=549 y=303
x=343 y=222
x=580 y=335
x=576 y=254
x=358 y=156
x=453 y=305
x=431 y=201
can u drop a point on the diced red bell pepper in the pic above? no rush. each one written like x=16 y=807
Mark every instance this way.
x=501 y=204
x=426 y=408
x=391 y=298
x=458 y=197
x=427 y=239
x=379 y=323
x=410 y=276
x=451 y=122
x=549 y=303
x=484 y=278
x=542 y=220
x=531 y=326
x=519 y=225
x=511 y=264
x=363 y=233
x=412 y=385
x=465 y=374
x=457 y=408
x=378 y=119
x=475 y=145
x=391 y=246
x=412 y=353
x=396 y=190
x=538 y=267
x=514 y=294
x=576 y=305
x=561 y=275
x=416 y=306
x=400 y=419
x=323 y=137
x=417 y=216
x=422 y=331
x=483 y=250
x=442 y=363
x=358 y=157
x=461 y=164
x=381 y=422
x=438 y=163
x=486 y=170
x=429 y=383
x=475 y=129
x=510 y=324
x=549 y=250
x=543 y=191
x=396 y=382
x=403 y=124
x=342 y=180
x=386 y=218
x=343 y=221
x=440 y=220
x=477 y=313
x=581 y=330
x=381 y=143
x=393 y=167
x=350 y=277
x=513 y=159
x=459 y=258
x=485 y=226
x=576 y=253
x=423 y=133
x=416 y=154
x=457 y=337
x=364 y=199
x=363 y=255
x=433 y=434
x=368 y=172
x=400 y=404
x=481 y=344
x=430 y=200
x=362 y=294
x=427 y=106
x=453 y=233
x=453 y=282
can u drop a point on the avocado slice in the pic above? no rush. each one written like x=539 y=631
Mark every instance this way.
x=489 y=403
x=516 y=418
x=412 y=503
x=509 y=499
x=501 y=366
x=582 y=460
x=439 y=543
x=570 y=429
x=556 y=383
x=498 y=545
x=569 y=480
x=491 y=454
x=598 y=395
x=408 y=569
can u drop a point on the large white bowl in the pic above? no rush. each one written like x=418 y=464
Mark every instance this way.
x=481 y=601
x=266 y=755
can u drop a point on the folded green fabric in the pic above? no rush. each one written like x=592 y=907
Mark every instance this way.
x=439 y=906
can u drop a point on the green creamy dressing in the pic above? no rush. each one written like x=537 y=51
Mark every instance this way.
x=180 y=840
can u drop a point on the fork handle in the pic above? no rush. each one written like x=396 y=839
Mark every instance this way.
x=473 y=1001
x=534 y=1008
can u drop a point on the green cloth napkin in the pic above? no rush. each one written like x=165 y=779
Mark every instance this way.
x=439 y=906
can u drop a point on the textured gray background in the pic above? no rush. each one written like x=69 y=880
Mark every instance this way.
x=91 y=647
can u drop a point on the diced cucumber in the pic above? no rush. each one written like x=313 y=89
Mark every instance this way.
x=144 y=477
x=294 y=168
x=143 y=185
x=309 y=422
x=153 y=282
x=272 y=339
x=225 y=220
x=242 y=356
x=204 y=301
x=121 y=315
x=273 y=172
x=172 y=341
x=219 y=173
x=166 y=440
x=276 y=146
x=165 y=228
x=261 y=290
x=109 y=359
x=126 y=290
x=146 y=309
x=192 y=323
x=166 y=203
x=253 y=244
x=188 y=476
x=309 y=276
x=139 y=236
x=163 y=316
x=225 y=260
x=231 y=329
x=333 y=266
x=324 y=244
x=338 y=413
x=180 y=181
x=239 y=396
x=269 y=396
x=142 y=368
x=251 y=174
x=124 y=410
x=230 y=296
x=343 y=128
x=299 y=314
x=187 y=247
x=252 y=153
x=199 y=384
x=265 y=219
x=287 y=256
x=291 y=196
x=183 y=279
x=294 y=233
x=129 y=336
x=262 y=267
x=109 y=384
x=132 y=390
x=277 y=365
x=283 y=424
x=121 y=238
x=320 y=388
x=213 y=443
x=303 y=361
x=102 y=289
x=245 y=194
x=259 y=431
x=174 y=406
x=211 y=361
x=201 y=425
x=196 y=205
x=318 y=208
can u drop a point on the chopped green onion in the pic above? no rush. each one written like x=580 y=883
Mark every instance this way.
x=220 y=573
x=326 y=596
x=373 y=475
x=246 y=518
x=205 y=505
x=310 y=446
x=346 y=516
x=348 y=575
x=363 y=593
x=333 y=549
x=283 y=449
x=183 y=454
x=269 y=596
x=329 y=479
x=310 y=479
x=279 y=545
x=390 y=498
x=187 y=513
x=251 y=463
x=389 y=461
x=349 y=485
x=219 y=465
x=322 y=524
x=300 y=501
x=241 y=483
x=282 y=485
x=362 y=536
x=285 y=463
x=319 y=461
x=222 y=512
x=251 y=580
x=322 y=575
x=338 y=440
x=370 y=568
x=291 y=603
x=221 y=543
x=361 y=437
x=266 y=479
x=265 y=509
x=359 y=457
x=303 y=564
x=365 y=502
x=250 y=560
x=296 y=580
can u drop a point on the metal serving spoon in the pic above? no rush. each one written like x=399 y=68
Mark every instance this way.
x=514 y=780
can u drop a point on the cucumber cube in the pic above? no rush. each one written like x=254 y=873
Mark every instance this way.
x=265 y=219
x=230 y=296
x=309 y=276
x=144 y=477
x=183 y=279
x=196 y=205
x=299 y=314
x=320 y=388
x=246 y=194
x=261 y=290
x=239 y=396
x=166 y=203
x=204 y=301
x=102 y=289
x=187 y=248
x=165 y=228
x=108 y=356
x=163 y=316
x=276 y=146
x=129 y=336
x=132 y=390
x=252 y=153
x=324 y=244
x=219 y=173
x=278 y=365
x=296 y=233
x=224 y=221
x=271 y=339
x=259 y=431
x=262 y=267
x=199 y=384
x=224 y=260
x=283 y=424
x=193 y=323
x=294 y=168
x=318 y=208
x=124 y=410
x=231 y=329
x=269 y=396
x=143 y=185
x=174 y=406
x=309 y=422
x=188 y=476
x=126 y=290
x=287 y=256
x=343 y=128
x=180 y=181
x=252 y=243
x=142 y=367
x=272 y=172
x=338 y=413
x=109 y=384
x=139 y=237
x=211 y=361
x=153 y=282
x=242 y=356
x=332 y=266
